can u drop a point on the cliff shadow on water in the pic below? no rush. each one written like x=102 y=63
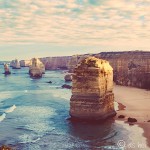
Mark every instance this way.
x=99 y=134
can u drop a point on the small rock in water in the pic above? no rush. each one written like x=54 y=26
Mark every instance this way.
x=131 y=124
x=68 y=77
x=66 y=86
x=121 y=116
x=7 y=73
x=49 y=82
x=132 y=120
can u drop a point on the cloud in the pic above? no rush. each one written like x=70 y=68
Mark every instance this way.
x=81 y=22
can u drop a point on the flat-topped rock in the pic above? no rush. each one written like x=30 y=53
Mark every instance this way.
x=92 y=86
x=36 y=68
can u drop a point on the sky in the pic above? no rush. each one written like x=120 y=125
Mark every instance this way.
x=42 y=28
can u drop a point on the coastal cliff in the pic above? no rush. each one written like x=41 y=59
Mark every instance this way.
x=24 y=63
x=131 y=68
x=53 y=63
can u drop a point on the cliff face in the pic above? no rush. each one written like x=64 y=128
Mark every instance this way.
x=131 y=68
x=53 y=63
x=24 y=63
x=92 y=85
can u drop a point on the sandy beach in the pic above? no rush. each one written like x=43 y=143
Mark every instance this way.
x=137 y=105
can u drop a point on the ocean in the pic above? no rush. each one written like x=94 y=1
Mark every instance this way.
x=34 y=116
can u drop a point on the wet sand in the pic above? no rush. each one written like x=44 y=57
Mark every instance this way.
x=137 y=105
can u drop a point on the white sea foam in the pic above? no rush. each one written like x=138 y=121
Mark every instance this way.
x=135 y=135
x=36 y=120
x=40 y=128
x=35 y=111
x=2 y=117
x=11 y=109
x=28 y=138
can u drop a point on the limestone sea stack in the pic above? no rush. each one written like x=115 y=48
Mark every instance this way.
x=92 y=90
x=24 y=63
x=36 y=68
x=15 y=64
x=6 y=69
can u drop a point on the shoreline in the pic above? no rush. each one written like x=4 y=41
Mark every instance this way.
x=135 y=103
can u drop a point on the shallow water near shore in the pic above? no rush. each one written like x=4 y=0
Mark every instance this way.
x=36 y=115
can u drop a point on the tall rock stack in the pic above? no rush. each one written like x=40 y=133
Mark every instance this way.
x=36 y=68
x=92 y=96
x=6 y=69
x=15 y=64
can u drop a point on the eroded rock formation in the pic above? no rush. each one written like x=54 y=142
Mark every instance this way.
x=92 y=86
x=36 y=68
x=15 y=64
x=6 y=69
x=24 y=63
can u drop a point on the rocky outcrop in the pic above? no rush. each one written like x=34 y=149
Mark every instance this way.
x=66 y=86
x=92 y=86
x=15 y=64
x=132 y=120
x=68 y=77
x=6 y=70
x=24 y=63
x=36 y=68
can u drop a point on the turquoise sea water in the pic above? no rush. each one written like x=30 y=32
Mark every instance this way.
x=33 y=116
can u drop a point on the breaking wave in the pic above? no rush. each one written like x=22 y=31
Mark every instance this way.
x=11 y=109
x=2 y=117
